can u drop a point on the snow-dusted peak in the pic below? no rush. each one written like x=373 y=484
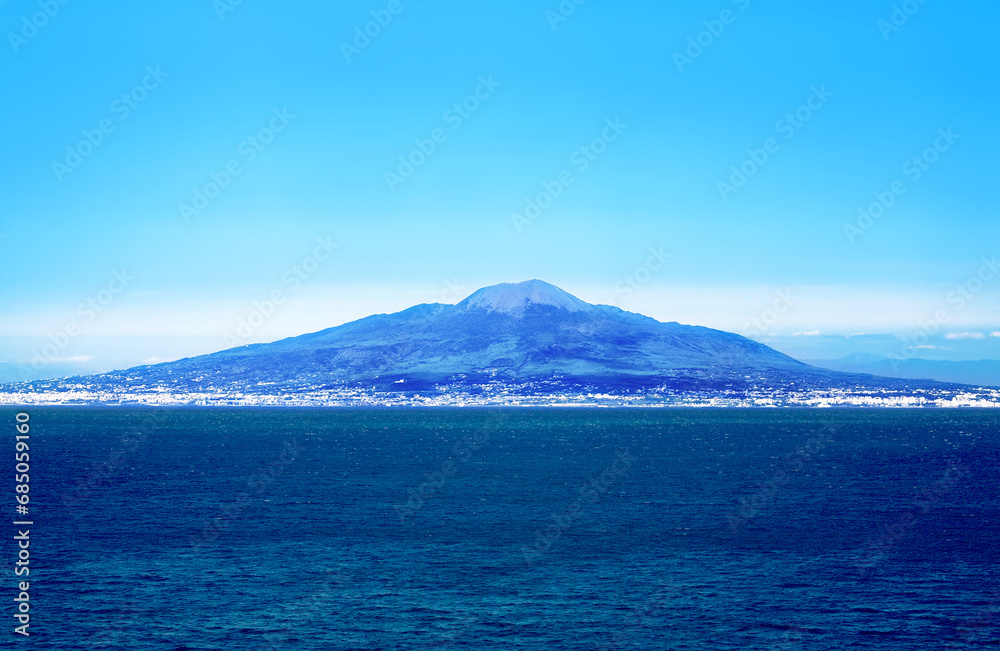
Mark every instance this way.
x=514 y=298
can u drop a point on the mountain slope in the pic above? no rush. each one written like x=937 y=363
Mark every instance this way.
x=521 y=331
x=509 y=344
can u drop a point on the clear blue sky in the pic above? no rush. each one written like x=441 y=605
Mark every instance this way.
x=217 y=75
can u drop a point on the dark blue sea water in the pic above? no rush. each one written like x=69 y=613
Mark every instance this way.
x=511 y=529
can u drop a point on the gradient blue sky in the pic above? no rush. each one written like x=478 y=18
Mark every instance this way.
x=448 y=228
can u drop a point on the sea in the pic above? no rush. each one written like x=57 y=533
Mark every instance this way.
x=507 y=528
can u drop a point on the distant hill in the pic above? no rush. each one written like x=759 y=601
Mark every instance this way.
x=984 y=372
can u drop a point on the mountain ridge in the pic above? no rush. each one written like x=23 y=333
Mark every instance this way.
x=506 y=341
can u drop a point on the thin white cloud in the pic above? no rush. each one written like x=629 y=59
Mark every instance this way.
x=932 y=347
x=995 y=333
x=811 y=333
x=965 y=335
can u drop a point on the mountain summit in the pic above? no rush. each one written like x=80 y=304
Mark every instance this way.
x=514 y=298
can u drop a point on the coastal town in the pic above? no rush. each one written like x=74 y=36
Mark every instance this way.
x=538 y=393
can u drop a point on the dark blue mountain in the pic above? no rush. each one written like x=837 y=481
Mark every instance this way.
x=510 y=332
